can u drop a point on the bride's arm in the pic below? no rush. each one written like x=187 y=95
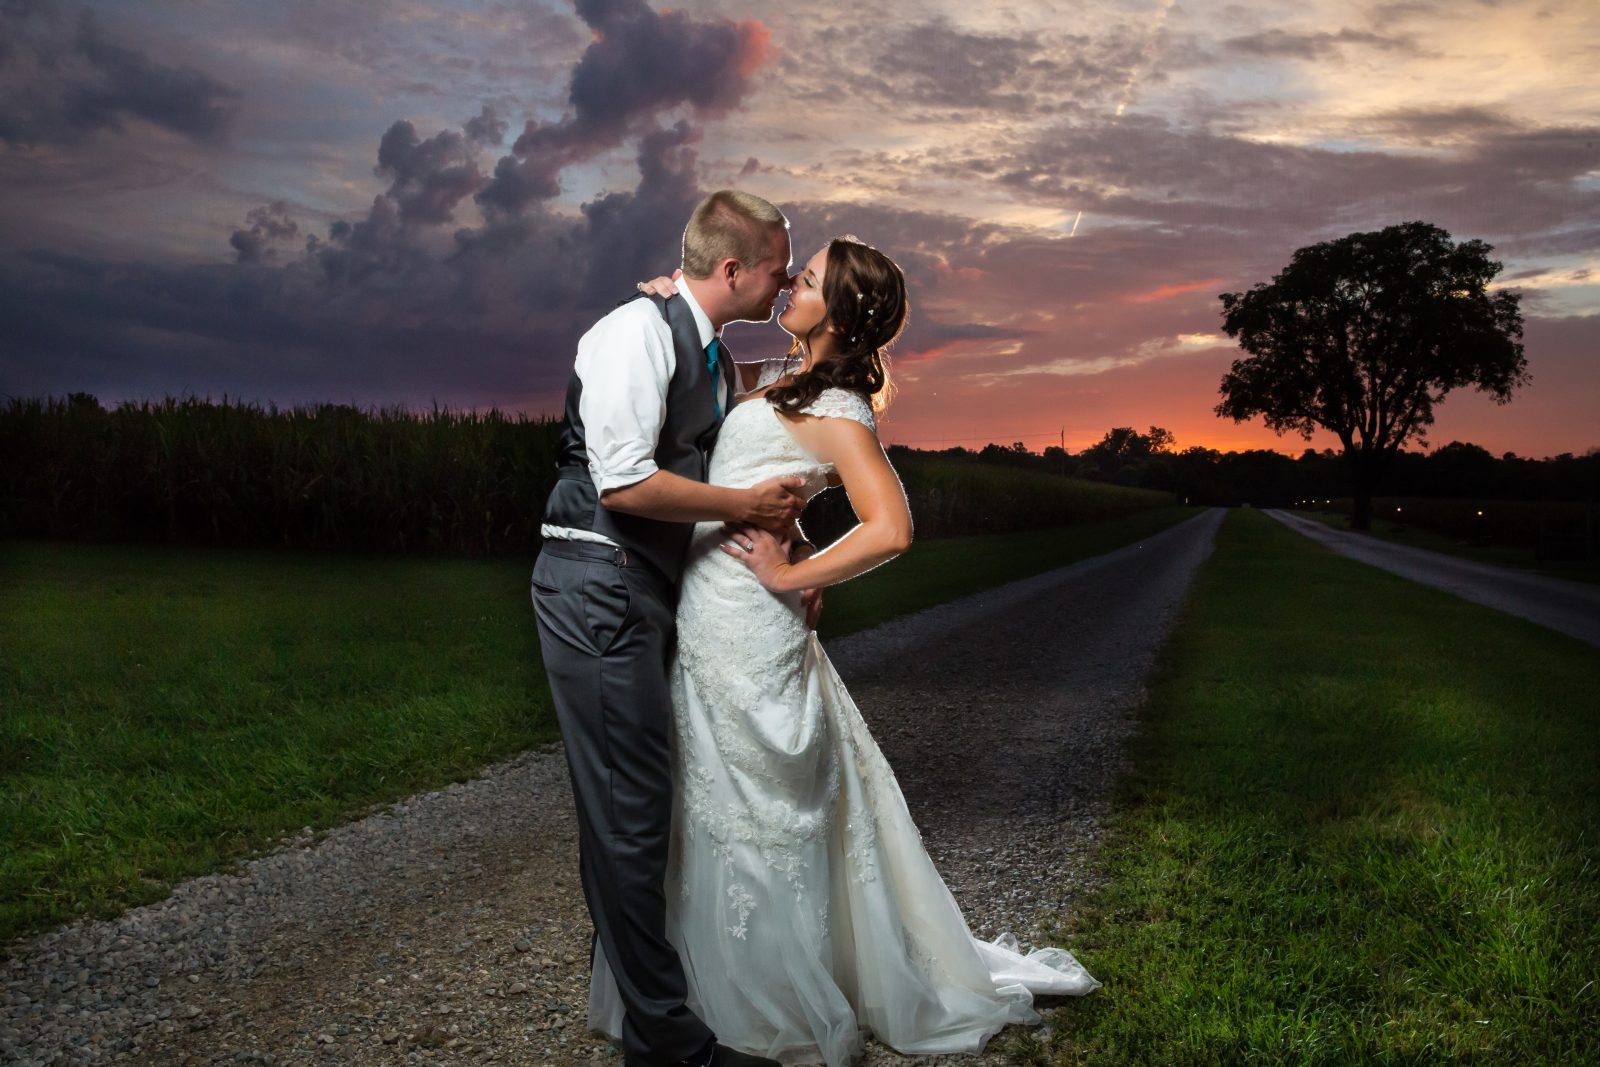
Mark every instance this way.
x=876 y=495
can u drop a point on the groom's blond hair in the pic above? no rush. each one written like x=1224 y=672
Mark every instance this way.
x=729 y=224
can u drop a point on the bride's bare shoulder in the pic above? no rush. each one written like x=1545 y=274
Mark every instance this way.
x=833 y=429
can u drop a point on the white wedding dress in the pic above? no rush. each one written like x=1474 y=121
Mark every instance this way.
x=802 y=901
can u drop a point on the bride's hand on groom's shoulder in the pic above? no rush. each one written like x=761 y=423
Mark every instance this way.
x=661 y=286
x=766 y=555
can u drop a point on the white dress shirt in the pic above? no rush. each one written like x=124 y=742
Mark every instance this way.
x=626 y=362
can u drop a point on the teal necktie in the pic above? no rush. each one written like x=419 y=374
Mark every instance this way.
x=711 y=366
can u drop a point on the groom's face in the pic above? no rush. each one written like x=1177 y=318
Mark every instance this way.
x=761 y=285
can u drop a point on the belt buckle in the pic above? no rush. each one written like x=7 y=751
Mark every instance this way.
x=622 y=556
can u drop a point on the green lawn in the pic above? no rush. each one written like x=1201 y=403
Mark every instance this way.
x=1501 y=555
x=1360 y=829
x=165 y=712
x=168 y=711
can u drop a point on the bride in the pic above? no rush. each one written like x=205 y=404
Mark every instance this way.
x=801 y=900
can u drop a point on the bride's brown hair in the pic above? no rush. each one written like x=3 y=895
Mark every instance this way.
x=864 y=297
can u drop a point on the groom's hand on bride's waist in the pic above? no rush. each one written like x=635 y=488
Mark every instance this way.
x=774 y=504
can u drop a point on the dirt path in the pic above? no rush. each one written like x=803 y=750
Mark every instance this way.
x=449 y=928
x=1570 y=607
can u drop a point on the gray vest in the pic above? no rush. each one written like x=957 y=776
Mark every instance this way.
x=683 y=448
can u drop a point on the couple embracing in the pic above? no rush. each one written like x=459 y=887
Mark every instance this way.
x=758 y=889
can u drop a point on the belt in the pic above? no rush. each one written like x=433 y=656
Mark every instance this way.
x=567 y=548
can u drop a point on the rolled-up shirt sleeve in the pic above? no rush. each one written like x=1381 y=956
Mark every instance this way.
x=625 y=364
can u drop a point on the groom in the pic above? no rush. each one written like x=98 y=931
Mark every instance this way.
x=650 y=388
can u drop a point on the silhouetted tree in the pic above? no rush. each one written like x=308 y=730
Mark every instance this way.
x=1364 y=335
x=1124 y=443
x=1461 y=469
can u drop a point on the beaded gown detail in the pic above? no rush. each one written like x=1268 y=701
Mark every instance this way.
x=800 y=896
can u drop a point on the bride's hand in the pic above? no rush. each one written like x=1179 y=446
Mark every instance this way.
x=661 y=286
x=767 y=556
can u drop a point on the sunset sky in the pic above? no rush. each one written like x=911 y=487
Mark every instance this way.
x=418 y=202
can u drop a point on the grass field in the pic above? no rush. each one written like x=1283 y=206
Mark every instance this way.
x=167 y=711
x=1501 y=555
x=1361 y=829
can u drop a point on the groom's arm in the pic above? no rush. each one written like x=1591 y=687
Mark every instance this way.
x=771 y=505
x=625 y=364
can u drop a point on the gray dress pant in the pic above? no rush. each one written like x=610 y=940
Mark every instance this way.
x=606 y=628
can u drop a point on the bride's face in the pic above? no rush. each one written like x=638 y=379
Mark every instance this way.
x=806 y=308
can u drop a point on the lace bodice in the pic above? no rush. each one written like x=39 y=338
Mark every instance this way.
x=755 y=443
x=771 y=371
x=721 y=606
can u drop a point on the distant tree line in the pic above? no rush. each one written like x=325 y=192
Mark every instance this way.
x=189 y=471
x=1265 y=478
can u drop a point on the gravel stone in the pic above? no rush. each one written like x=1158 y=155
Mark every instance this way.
x=429 y=931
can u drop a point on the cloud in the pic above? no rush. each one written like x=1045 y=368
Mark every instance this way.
x=1164 y=292
x=430 y=177
x=487 y=127
x=924 y=69
x=379 y=300
x=1431 y=125
x=1518 y=181
x=1285 y=44
x=62 y=79
x=391 y=296
x=1182 y=344
x=936 y=63
x=640 y=64
x=266 y=224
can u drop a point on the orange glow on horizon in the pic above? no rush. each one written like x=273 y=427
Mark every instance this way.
x=932 y=432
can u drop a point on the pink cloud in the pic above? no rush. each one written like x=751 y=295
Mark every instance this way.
x=1165 y=291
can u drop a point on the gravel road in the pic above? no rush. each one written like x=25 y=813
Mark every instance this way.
x=1570 y=607
x=449 y=927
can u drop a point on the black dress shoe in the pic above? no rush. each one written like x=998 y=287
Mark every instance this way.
x=723 y=1056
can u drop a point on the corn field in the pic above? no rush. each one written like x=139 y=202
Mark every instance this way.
x=189 y=471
